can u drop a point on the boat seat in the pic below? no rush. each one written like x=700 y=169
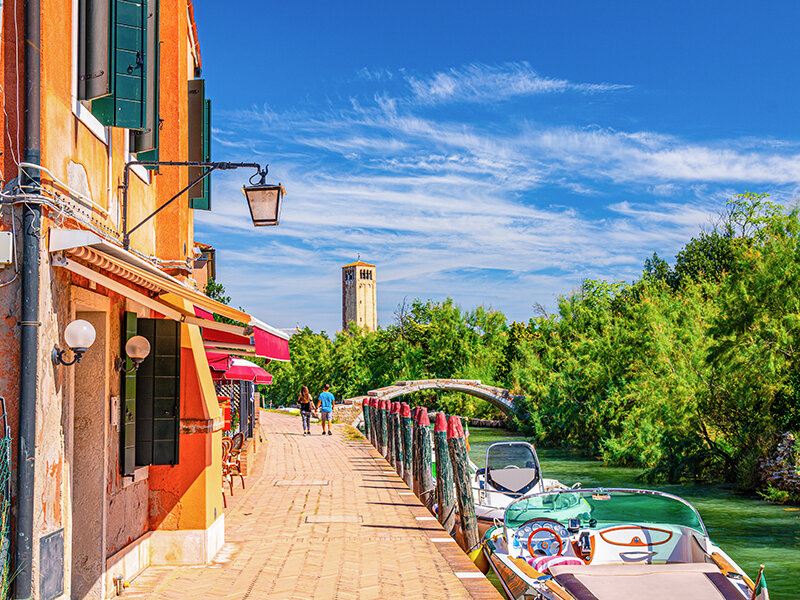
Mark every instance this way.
x=698 y=581
x=513 y=480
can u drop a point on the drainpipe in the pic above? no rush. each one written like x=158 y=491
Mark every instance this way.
x=29 y=325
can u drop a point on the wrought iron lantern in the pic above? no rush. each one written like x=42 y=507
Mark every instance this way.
x=264 y=200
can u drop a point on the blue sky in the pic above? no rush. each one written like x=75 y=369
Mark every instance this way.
x=496 y=154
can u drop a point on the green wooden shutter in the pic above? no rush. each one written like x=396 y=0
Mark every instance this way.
x=128 y=442
x=205 y=200
x=199 y=143
x=158 y=385
x=94 y=42
x=145 y=143
x=125 y=106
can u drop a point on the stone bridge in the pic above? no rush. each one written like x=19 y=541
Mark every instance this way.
x=499 y=397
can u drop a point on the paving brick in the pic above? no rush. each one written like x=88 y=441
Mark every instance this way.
x=271 y=551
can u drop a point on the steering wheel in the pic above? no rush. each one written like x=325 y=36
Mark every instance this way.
x=545 y=544
x=511 y=467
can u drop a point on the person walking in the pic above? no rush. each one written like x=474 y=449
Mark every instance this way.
x=325 y=408
x=304 y=401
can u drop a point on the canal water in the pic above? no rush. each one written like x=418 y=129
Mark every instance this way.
x=751 y=531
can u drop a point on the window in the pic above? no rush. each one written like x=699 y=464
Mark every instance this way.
x=118 y=64
x=152 y=396
x=144 y=143
x=199 y=143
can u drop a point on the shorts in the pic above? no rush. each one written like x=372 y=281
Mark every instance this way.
x=324 y=416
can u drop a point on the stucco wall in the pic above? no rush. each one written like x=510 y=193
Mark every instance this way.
x=78 y=156
x=126 y=512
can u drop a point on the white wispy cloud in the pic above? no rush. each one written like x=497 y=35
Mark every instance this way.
x=479 y=82
x=505 y=215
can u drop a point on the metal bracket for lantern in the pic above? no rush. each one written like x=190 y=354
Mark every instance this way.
x=263 y=199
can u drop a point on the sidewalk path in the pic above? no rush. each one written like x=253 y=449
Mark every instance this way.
x=323 y=517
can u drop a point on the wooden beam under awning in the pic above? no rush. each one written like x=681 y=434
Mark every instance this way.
x=169 y=285
x=168 y=310
x=174 y=299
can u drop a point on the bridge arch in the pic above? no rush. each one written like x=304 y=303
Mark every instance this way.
x=499 y=397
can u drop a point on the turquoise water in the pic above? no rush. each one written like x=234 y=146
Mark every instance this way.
x=751 y=531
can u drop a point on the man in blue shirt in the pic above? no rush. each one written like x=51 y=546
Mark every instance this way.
x=325 y=408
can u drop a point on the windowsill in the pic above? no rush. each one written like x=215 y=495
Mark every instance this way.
x=139 y=474
x=86 y=117
x=99 y=130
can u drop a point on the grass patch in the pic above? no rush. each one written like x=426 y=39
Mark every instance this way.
x=352 y=434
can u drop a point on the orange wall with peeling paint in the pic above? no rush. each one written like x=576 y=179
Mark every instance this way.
x=186 y=496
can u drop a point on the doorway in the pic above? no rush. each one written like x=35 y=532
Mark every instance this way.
x=88 y=465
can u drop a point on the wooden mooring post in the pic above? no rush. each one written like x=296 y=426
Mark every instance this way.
x=390 y=435
x=466 y=503
x=408 y=469
x=374 y=421
x=445 y=491
x=415 y=450
x=384 y=414
x=365 y=412
x=427 y=487
x=398 y=438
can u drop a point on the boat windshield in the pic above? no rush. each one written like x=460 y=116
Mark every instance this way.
x=604 y=507
x=512 y=467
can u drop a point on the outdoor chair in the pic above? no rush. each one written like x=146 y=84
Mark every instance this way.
x=234 y=466
x=226 y=453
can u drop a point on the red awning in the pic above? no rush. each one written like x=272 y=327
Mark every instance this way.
x=218 y=361
x=272 y=345
x=242 y=369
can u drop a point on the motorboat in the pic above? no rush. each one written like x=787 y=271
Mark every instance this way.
x=511 y=471
x=611 y=544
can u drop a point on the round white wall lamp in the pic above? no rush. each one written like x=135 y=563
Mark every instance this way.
x=137 y=349
x=79 y=336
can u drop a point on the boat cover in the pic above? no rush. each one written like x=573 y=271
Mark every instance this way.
x=698 y=581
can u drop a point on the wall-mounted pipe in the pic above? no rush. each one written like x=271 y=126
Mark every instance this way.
x=29 y=325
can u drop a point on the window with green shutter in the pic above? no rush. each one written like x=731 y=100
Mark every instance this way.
x=94 y=54
x=125 y=99
x=199 y=143
x=145 y=143
x=158 y=383
x=128 y=441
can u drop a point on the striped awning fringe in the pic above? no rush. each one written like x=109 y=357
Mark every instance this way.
x=88 y=255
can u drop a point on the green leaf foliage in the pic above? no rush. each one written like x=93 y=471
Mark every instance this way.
x=690 y=372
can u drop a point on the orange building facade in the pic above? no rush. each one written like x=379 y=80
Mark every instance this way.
x=126 y=467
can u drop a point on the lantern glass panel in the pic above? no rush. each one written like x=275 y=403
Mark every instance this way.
x=265 y=204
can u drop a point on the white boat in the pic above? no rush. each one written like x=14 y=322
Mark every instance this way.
x=611 y=544
x=511 y=470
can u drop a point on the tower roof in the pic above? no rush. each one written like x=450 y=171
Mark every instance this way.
x=359 y=263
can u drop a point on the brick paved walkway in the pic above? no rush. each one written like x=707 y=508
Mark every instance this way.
x=323 y=517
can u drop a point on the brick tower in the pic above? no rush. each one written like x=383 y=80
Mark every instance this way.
x=359 y=304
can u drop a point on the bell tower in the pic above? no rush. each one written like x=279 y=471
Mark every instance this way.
x=359 y=297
